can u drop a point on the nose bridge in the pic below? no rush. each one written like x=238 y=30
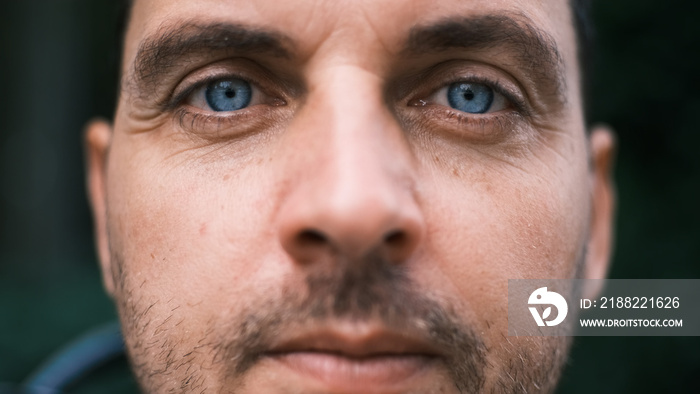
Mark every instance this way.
x=366 y=144
x=354 y=188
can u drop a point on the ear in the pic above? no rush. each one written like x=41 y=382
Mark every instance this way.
x=600 y=242
x=98 y=135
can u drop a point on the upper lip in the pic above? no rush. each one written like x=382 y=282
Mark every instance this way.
x=356 y=340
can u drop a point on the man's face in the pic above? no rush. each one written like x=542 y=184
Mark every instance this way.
x=329 y=196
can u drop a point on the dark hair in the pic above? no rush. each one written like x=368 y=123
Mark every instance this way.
x=580 y=10
x=123 y=16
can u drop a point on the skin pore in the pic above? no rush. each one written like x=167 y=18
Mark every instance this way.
x=351 y=226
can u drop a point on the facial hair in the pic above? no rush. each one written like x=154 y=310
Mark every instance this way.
x=368 y=289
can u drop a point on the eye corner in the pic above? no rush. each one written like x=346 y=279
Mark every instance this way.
x=474 y=96
x=277 y=102
x=417 y=102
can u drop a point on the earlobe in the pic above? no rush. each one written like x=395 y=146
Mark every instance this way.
x=98 y=135
x=600 y=243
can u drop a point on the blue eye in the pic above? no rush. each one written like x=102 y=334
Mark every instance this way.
x=228 y=95
x=473 y=98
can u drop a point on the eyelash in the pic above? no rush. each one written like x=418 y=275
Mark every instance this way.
x=180 y=98
x=486 y=128
x=519 y=105
x=192 y=120
x=201 y=120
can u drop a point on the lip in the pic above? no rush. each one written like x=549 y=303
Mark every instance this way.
x=356 y=357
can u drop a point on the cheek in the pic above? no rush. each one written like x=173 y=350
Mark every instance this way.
x=191 y=229
x=521 y=220
x=488 y=224
x=192 y=244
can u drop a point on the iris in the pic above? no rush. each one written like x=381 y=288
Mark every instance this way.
x=228 y=95
x=473 y=98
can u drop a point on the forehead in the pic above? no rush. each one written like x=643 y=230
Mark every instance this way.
x=355 y=28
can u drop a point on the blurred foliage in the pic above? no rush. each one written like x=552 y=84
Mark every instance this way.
x=55 y=75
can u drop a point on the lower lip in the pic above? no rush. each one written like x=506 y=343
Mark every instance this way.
x=364 y=374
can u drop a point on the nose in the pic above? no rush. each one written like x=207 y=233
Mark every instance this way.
x=351 y=185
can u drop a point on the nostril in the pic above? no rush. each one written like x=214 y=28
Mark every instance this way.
x=396 y=239
x=311 y=238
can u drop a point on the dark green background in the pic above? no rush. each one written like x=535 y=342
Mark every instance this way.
x=53 y=77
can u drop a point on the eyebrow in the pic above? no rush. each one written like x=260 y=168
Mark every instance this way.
x=534 y=50
x=172 y=46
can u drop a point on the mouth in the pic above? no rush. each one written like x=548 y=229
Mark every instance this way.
x=358 y=357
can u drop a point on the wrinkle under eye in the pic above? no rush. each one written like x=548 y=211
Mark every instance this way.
x=472 y=98
x=228 y=95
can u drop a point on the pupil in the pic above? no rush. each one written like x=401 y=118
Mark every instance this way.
x=230 y=93
x=469 y=95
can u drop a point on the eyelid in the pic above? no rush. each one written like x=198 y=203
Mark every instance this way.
x=441 y=75
x=186 y=103
x=196 y=96
x=185 y=96
x=512 y=98
x=261 y=83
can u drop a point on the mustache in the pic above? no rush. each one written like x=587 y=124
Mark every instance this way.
x=363 y=289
